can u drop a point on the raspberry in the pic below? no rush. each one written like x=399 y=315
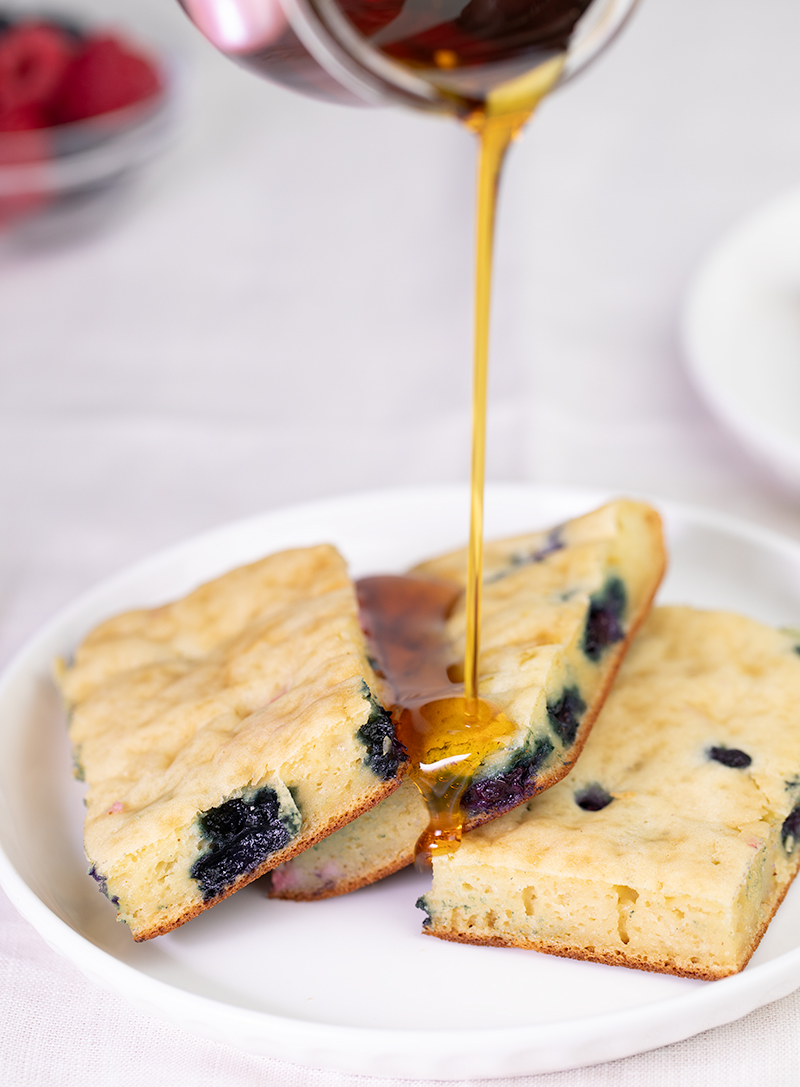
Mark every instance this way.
x=23 y=119
x=105 y=76
x=34 y=58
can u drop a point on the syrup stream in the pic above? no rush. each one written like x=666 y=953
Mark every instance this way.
x=497 y=123
x=495 y=137
x=470 y=727
x=446 y=728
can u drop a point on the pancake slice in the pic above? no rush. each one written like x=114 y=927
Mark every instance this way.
x=677 y=835
x=222 y=734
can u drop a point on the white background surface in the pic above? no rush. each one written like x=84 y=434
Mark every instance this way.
x=284 y=313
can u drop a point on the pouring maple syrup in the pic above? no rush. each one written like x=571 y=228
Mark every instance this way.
x=489 y=63
x=446 y=728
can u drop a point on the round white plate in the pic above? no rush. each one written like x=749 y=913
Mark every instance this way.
x=742 y=333
x=351 y=983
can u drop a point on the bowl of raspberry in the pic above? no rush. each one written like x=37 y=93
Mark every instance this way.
x=80 y=110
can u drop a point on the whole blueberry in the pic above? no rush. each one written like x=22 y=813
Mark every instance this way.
x=730 y=756
x=242 y=833
x=593 y=798
x=604 y=623
x=565 y=714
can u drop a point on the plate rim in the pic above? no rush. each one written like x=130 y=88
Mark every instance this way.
x=404 y=1053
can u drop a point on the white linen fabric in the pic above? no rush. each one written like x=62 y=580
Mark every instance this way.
x=282 y=312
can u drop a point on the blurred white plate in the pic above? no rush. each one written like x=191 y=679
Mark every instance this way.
x=351 y=983
x=742 y=333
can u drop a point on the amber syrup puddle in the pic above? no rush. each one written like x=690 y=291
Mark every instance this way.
x=446 y=734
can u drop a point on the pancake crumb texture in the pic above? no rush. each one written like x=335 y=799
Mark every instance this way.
x=675 y=838
x=223 y=733
x=559 y=610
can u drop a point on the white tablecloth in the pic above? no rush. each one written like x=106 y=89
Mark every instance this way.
x=283 y=312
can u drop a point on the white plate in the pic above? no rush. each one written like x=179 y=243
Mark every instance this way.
x=351 y=983
x=742 y=333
